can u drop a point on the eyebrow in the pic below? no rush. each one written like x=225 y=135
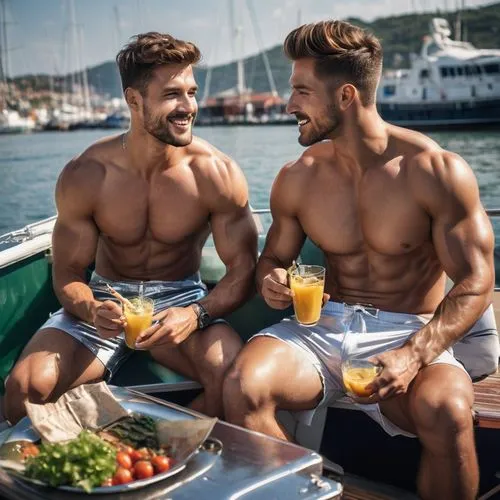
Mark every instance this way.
x=170 y=88
x=299 y=86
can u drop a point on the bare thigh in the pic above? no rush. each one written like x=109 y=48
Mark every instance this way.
x=204 y=352
x=270 y=369
x=53 y=362
x=432 y=383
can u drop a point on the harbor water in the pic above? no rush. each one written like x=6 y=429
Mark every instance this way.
x=30 y=164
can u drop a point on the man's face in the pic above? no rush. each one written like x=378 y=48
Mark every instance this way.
x=312 y=102
x=169 y=106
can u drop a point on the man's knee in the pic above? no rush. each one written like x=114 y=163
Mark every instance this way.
x=247 y=386
x=442 y=414
x=30 y=381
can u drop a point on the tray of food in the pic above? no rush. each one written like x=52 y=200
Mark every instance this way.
x=145 y=444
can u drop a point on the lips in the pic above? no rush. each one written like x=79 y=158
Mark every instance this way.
x=302 y=120
x=181 y=121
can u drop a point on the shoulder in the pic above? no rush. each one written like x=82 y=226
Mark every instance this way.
x=80 y=182
x=217 y=172
x=88 y=169
x=441 y=179
x=295 y=174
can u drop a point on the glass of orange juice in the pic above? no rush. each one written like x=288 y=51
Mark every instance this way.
x=307 y=284
x=358 y=374
x=139 y=316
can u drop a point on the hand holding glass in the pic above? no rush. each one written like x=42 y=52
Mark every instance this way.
x=307 y=284
x=358 y=374
x=139 y=316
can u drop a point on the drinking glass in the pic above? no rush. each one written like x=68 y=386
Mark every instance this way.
x=307 y=284
x=139 y=316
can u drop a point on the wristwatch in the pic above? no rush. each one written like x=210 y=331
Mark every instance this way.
x=204 y=318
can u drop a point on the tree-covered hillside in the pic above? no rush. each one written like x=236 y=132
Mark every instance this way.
x=400 y=36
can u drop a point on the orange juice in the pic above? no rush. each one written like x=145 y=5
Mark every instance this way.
x=307 y=299
x=139 y=317
x=356 y=379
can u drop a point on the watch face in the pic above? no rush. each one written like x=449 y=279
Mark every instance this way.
x=203 y=316
x=204 y=319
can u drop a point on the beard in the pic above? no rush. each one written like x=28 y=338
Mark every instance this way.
x=159 y=128
x=323 y=128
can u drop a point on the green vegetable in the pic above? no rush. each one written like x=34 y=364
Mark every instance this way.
x=136 y=430
x=84 y=462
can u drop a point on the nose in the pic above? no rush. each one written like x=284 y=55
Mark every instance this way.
x=290 y=106
x=188 y=104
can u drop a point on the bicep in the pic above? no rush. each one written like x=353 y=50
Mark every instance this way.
x=75 y=236
x=284 y=239
x=235 y=235
x=461 y=231
x=464 y=243
x=285 y=236
x=74 y=243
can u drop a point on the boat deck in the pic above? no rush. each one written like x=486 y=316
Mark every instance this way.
x=487 y=402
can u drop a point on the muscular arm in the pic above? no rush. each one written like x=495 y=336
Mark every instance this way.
x=235 y=238
x=74 y=240
x=285 y=236
x=463 y=239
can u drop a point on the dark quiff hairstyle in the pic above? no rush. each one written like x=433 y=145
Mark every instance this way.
x=342 y=50
x=146 y=52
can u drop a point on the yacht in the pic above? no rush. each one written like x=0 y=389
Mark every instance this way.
x=451 y=83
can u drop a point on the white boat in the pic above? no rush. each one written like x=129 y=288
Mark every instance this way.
x=11 y=122
x=451 y=83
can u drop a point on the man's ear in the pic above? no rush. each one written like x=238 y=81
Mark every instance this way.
x=133 y=98
x=348 y=93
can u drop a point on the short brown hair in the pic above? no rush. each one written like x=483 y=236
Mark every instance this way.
x=340 y=49
x=147 y=51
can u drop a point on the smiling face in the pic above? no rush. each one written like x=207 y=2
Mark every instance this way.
x=169 y=105
x=313 y=103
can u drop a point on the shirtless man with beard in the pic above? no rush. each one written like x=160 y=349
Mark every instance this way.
x=141 y=205
x=393 y=214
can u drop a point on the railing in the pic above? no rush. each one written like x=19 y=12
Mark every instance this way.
x=45 y=227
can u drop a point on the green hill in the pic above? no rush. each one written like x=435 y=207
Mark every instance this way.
x=400 y=36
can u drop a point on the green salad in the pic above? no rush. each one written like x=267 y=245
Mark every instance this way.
x=84 y=462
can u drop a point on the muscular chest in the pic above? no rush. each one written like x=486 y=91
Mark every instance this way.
x=377 y=214
x=165 y=209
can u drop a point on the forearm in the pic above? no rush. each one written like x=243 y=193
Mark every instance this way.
x=232 y=290
x=454 y=317
x=75 y=296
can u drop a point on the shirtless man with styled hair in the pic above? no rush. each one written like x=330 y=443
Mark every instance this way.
x=141 y=205
x=393 y=214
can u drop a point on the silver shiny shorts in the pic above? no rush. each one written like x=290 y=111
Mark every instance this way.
x=114 y=351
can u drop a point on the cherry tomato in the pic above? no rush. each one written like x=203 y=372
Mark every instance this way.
x=122 y=476
x=30 y=450
x=143 y=469
x=107 y=482
x=161 y=463
x=127 y=449
x=123 y=459
x=136 y=455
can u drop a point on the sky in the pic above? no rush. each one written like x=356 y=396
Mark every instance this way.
x=43 y=39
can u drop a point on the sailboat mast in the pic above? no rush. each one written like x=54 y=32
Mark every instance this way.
x=237 y=51
x=5 y=56
x=85 y=81
x=258 y=37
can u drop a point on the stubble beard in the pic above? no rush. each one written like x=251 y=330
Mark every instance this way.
x=158 y=128
x=325 y=129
